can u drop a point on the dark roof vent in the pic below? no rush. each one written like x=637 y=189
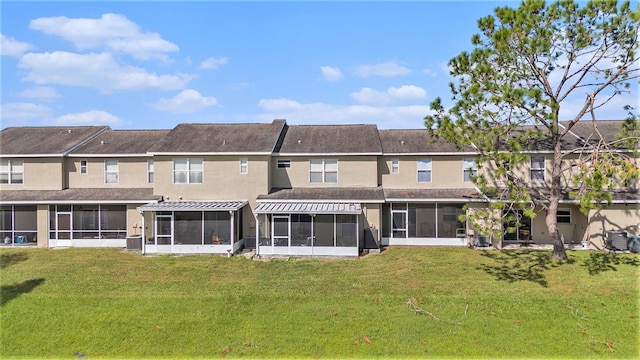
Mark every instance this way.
x=299 y=142
x=101 y=142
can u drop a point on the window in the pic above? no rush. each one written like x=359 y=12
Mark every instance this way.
x=469 y=169
x=424 y=170
x=284 y=164
x=11 y=171
x=83 y=167
x=563 y=216
x=537 y=169
x=150 y=171
x=395 y=166
x=323 y=170
x=111 y=171
x=187 y=171
x=244 y=166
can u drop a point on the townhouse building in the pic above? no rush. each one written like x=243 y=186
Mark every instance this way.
x=315 y=190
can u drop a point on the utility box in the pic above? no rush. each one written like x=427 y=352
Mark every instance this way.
x=617 y=240
x=134 y=242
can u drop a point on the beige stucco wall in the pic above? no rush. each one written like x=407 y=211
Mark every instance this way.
x=132 y=173
x=222 y=179
x=353 y=171
x=446 y=172
x=42 y=216
x=134 y=220
x=40 y=174
x=614 y=217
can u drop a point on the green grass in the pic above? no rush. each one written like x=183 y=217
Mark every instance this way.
x=485 y=304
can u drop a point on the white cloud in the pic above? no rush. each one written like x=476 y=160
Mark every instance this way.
x=429 y=72
x=392 y=95
x=91 y=117
x=386 y=117
x=112 y=31
x=213 y=63
x=99 y=71
x=21 y=111
x=42 y=93
x=330 y=73
x=187 y=101
x=12 y=47
x=387 y=69
x=612 y=110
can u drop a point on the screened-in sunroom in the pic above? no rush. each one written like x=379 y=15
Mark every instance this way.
x=300 y=228
x=192 y=227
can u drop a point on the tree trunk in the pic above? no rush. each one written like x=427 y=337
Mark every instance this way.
x=554 y=200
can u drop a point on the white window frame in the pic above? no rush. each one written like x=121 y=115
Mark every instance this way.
x=244 y=165
x=189 y=178
x=283 y=164
x=12 y=170
x=150 y=172
x=564 y=215
x=323 y=168
x=84 y=167
x=424 y=165
x=108 y=172
x=395 y=165
x=537 y=170
x=469 y=166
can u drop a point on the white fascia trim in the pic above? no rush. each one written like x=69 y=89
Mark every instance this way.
x=430 y=153
x=31 y=155
x=325 y=154
x=431 y=200
x=142 y=155
x=321 y=201
x=73 y=202
x=575 y=202
x=206 y=153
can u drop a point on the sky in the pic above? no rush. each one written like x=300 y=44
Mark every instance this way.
x=153 y=65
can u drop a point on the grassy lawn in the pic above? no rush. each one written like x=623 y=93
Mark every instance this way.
x=104 y=303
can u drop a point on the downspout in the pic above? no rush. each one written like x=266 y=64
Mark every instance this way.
x=144 y=235
x=232 y=240
x=257 y=216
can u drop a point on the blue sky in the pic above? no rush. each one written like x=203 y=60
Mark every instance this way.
x=143 y=65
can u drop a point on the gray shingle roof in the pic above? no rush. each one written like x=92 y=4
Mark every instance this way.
x=432 y=194
x=329 y=194
x=331 y=139
x=122 y=142
x=412 y=141
x=50 y=140
x=84 y=194
x=221 y=138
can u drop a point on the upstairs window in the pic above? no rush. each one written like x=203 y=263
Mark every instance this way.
x=469 y=169
x=537 y=169
x=187 y=171
x=395 y=166
x=424 y=170
x=150 y=171
x=111 y=171
x=284 y=164
x=244 y=166
x=323 y=170
x=83 y=167
x=11 y=171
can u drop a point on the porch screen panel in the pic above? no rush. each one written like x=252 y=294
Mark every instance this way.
x=113 y=221
x=6 y=226
x=347 y=230
x=26 y=222
x=323 y=230
x=86 y=224
x=187 y=227
x=448 y=220
x=422 y=220
x=301 y=230
x=217 y=227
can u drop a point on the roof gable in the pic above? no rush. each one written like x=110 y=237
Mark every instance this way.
x=331 y=139
x=50 y=140
x=221 y=138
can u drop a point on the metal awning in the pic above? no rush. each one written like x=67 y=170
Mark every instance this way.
x=298 y=207
x=194 y=206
